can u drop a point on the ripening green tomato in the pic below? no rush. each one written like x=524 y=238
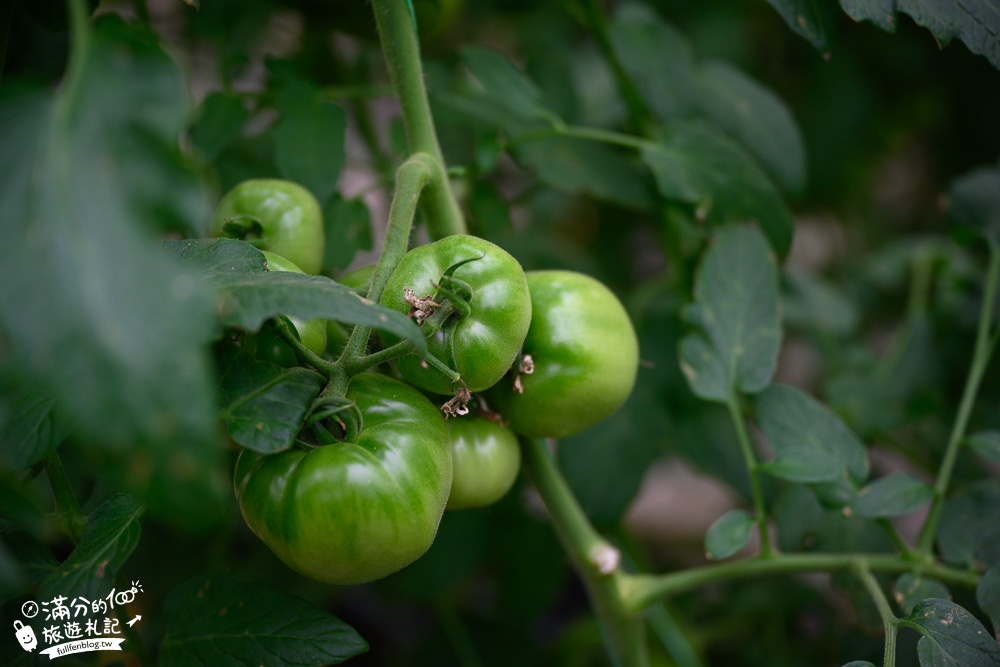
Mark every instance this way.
x=357 y=510
x=279 y=216
x=584 y=353
x=312 y=333
x=475 y=330
x=486 y=459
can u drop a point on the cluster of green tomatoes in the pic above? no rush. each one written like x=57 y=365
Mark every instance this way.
x=542 y=354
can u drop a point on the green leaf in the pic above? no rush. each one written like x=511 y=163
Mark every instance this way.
x=579 y=166
x=112 y=533
x=952 y=636
x=815 y=20
x=860 y=663
x=986 y=444
x=247 y=295
x=812 y=444
x=910 y=589
x=804 y=525
x=309 y=139
x=31 y=426
x=895 y=494
x=970 y=522
x=696 y=165
x=728 y=534
x=974 y=201
x=218 y=122
x=348 y=231
x=263 y=405
x=508 y=88
x=811 y=303
x=975 y=22
x=91 y=309
x=737 y=330
x=758 y=119
x=219 y=621
x=988 y=596
x=657 y=58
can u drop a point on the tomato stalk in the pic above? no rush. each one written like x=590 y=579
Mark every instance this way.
x=986 y=341
x=889 y=620
x=594 y=558
x=401 y=50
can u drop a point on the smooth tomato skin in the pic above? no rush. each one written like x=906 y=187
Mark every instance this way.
x=291 y=218
x=481 y=346
x=355 y=511
x=312 y=333
x=585 y=353
x=486 y=458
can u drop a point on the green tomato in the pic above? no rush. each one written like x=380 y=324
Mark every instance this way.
x=584 y=353
x=275 y=215
x=486 y=459
x=475 y=330
x=312 y=333
x=357 y=510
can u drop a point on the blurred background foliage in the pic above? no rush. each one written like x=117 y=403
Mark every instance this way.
x=879 y=304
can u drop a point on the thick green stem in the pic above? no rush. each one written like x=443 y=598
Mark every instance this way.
x=889 y=620
x=411 y=178
x=985 y=343
x=402 y=57
x=750 y=460
x=67 y=508
x=644 y=590
x=594 y=558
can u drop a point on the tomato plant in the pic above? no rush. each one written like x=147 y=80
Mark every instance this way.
x=578 y=362
x=692 y=307
x=361 y=508
x=486 y=460
x=472 y=298
x=279 y=216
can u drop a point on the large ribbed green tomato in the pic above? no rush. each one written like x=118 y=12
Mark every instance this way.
x=583 y=355
x=355 y=511
x=480 y=344
x=486 y=459
x=279 y=216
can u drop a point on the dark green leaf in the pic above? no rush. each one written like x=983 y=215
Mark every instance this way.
x=811 y=303
x=111 y=535
x=348 y=230
x=974 y=200
x=218 y=121
x=816 y=20
x=910 y=589
x=696 y=165
x=90 y=306
x=734 y=346
x=263 y=405
x=579 y=166
x=970 y=521
x=309 y=139
x=895 y=494
x=658 y=60
x=952 y=636
x=756 y=118
x=26 y=562
x=508 y=88
x=860 y=663
x=214 y=256
x=975 y=22
x=728 y=534
x=812 y=444
x=804 y=525
x=986 y=444
x=988 y=596
x=30 y=425
x=247 y=295
x=219 y=621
